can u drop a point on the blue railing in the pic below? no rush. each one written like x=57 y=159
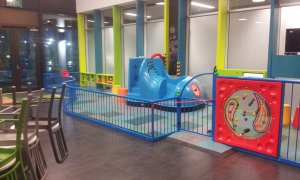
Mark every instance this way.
x=289 y=149
x=56 y=80
x=146 y=120
x=199 y=119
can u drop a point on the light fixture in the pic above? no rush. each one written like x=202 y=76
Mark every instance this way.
x=149 y=16
x=48 y=21
x=258 y=22
x=130 y=14
x=160 y=3
x=9 y=0
x=258 y=0
x=90 y=20
x=242 y=19
x=202 y=5
x=106 y=22
x=69 y=26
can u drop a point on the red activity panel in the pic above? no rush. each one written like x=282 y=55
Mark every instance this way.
x=248 y=114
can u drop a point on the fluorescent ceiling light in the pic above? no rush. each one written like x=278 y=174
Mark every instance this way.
x=149 y=16
x=106 y=22
x=160 y=3
x=242 y=19
x=258 y=22
x=258 y=0
x=202 y=5
x=9 y=0
x=90 y=20
x=130 y=14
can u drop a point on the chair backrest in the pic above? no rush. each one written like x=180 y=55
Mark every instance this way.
x=38 y=106
x=23 y=117
x=51 y=103
x=61 y=100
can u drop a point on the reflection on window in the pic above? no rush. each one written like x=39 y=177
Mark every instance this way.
x=108 y=18
x=60 y=21
x=61 y=49
x=89 y=21
x=155 y=11
x=27 y=57
x=203 y=6
x=238 y=4
x=5 y=59
x=129 y=15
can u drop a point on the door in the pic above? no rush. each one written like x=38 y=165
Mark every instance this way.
x=18 y=58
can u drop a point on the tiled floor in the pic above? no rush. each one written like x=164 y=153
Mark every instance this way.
x=96 y=152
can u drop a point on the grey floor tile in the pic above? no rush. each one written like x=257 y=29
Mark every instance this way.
x=106 y=171
x=83 y=166
x=190 y=159
x=75 y=160
x=163 y=172
x=57 y=175
x=137 y=164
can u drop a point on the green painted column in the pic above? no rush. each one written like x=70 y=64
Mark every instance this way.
x=81 y=45
x=117 y=45
x=221 y=34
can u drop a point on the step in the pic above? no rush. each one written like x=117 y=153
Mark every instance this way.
x=201 y=143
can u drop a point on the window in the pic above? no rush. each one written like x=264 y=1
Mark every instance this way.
x=248 y=39
x=239 y=4
x=203 y=6
x=108 y=18
x=290 y=1
x=129 y=14
x=155 y=11
x=59 y=21
x=61 y=49
x=90 y=43
x=89 y=23
x=60 y=40
x=290 y=19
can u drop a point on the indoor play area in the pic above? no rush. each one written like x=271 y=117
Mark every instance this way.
x=255 y=115
x=245 y=96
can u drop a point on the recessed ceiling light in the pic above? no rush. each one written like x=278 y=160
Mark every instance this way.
x=160 y=3
x=242 y=19
x=202 y=5
x=148 y=16
x=258 y=0
x=258 y=22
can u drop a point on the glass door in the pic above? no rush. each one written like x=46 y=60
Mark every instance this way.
x=18 y=58
x=6 y=74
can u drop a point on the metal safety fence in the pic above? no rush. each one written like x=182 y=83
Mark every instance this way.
x=289 y=149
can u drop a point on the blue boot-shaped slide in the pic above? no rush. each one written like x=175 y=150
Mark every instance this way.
x=148 y=79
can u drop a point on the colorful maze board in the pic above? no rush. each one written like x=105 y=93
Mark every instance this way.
x=248 y=114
